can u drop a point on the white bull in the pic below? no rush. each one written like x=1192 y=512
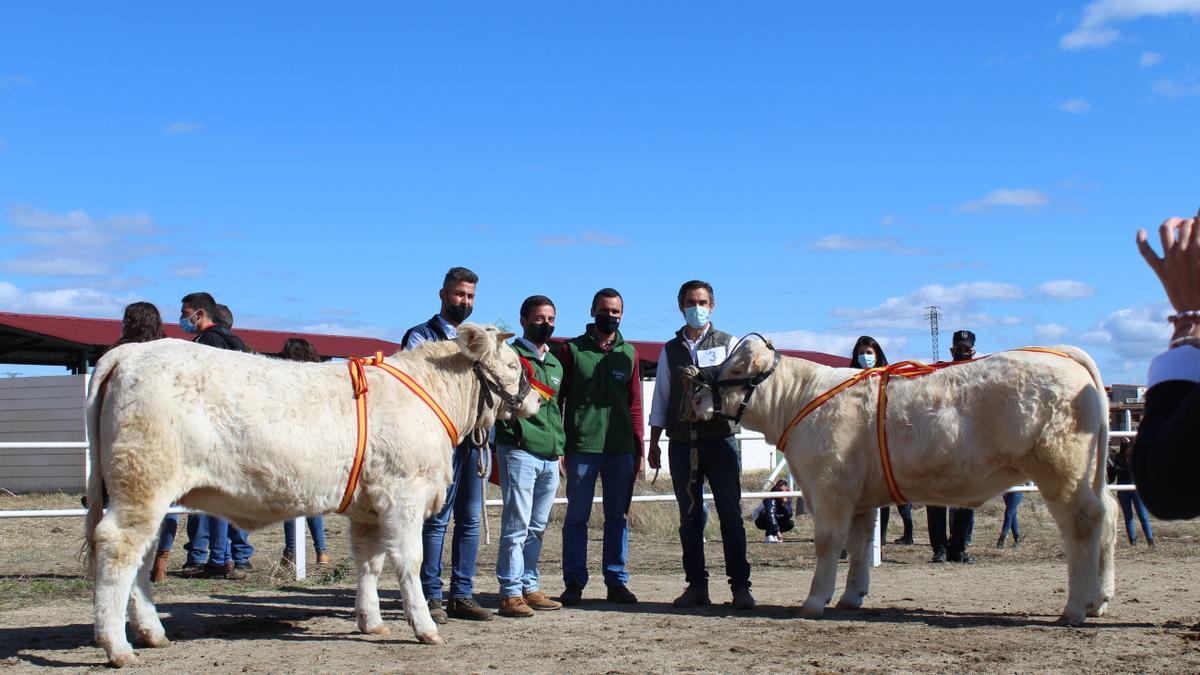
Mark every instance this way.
x=958 y=436
x=259 y=440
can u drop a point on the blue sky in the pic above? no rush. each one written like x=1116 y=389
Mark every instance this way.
x=830 y=169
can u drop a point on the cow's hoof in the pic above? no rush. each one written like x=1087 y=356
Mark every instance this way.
x=1071 y=619
x=431 y=638
x=153 y=640
x=854 y=602
x=812 y=609
x=381 y=629
x=1099 y=610
x=122 y=660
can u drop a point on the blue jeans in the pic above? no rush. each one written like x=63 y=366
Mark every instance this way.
x=718 y=462
x=463 y=500
x=1131 y=501
x=239 y=549
x=616 y=475
x=166 y=532
x=1011 y=501
x=527 y=486
x=316 y=527
x=208 y=540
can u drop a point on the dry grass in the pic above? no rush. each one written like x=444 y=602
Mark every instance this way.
x=38 y=562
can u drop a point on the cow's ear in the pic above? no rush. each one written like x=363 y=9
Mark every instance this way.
x=503 y=337
x=474 y=340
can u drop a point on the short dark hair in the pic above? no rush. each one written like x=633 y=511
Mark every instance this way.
x=692 y=285
x=606 y=293
x=299 y=349
x=458 y=275
x=201 y=300
x=533 y=302
x=222 y=315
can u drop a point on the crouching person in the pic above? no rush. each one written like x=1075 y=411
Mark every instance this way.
x=527 y=458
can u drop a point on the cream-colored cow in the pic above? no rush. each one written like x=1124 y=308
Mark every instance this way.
x=958 y=436
x=259 y=440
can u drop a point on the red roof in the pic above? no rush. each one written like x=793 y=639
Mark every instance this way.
x=104 y=332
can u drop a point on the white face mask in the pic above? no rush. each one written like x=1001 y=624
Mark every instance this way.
x=866 y=360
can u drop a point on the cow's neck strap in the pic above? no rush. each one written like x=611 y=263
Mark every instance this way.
x=902 y=369
x=358 y=379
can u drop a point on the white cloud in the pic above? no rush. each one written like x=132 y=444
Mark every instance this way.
x=1133 y=334
x=1064 y=289
x=188 y=271
x=589 y=238
x=1173 y=89
x=1075 y=106
x=1026 y=198
x=1049 y=332
x=177 y=128
x=74 y=244
x=957 y=302
x=1149 y=59
x=9 y=81
x=65 y=301
x=830 y=342
x=837 y=242
x=1096 y=28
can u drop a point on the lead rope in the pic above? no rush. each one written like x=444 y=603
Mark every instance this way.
x=693 y=469
x=484 y=469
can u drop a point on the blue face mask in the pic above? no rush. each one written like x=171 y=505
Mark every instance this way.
x=866 y=360
x=186 y=323
x=696 y=316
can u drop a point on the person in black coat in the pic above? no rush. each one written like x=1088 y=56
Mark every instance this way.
x=1166 y=459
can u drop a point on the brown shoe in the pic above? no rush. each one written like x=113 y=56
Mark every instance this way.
x=541 y=602
x=322 y=558
x=515 y=608
x=288 y=559
x=465 y=607
x=158 y=573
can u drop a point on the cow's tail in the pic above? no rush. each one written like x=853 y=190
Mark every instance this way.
x=1099 y=478
x=95 y=485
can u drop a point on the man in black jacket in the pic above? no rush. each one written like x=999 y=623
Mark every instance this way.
x=211 y=540
x=1166 y=459
x=962 y=520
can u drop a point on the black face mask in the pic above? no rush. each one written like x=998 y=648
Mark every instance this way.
x=607 y=323
x=457 y=313
x=538 y=333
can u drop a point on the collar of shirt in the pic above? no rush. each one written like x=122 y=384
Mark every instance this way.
x=541 y=352
x=451 y=330
x=691 y=344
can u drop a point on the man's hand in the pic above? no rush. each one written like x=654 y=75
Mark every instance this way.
x=562 y=466
x=655 y=456
x=637 y=466
x=1179 y=267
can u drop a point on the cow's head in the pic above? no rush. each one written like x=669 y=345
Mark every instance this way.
x=724 y=390
x=505 y=391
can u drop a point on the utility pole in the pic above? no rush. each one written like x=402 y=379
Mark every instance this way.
x=933 y=314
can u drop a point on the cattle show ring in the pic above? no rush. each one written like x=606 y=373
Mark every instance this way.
x=75 y=594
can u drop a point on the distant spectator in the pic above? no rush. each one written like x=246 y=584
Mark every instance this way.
x=1012 y=500
x=215 y=547
x=774 y=515
x=961 y=520
x=299 y=349
x=1120 y=472
x=1165 y=461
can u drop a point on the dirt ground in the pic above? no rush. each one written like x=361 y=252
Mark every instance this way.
x=995 y=616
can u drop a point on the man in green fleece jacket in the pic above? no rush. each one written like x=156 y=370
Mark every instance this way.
x=527 y=453
x=602 y=416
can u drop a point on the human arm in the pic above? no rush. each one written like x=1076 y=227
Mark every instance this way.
x=635 y=413
x=658 y=408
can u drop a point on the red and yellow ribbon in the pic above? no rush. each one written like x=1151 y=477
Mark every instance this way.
x=358 y=380
x=902 y=369
x=541 y=388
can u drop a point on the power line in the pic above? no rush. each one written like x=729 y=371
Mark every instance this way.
x=933 y=314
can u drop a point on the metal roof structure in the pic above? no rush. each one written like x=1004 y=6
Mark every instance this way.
x=77 y=343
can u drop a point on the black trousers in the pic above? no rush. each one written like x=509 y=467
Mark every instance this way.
x=962 y=526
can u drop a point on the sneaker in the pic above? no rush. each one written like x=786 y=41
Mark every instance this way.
x=1000 y=542
x=1016 y=541
x=695 y=595
x=573 y=595
x=436 y=611
x=1150 y=542
x=939 y=556
x=743 y=600
x=244 y=566
x=621 y=595
x=772 y=539
x=515 y=607
x=465 y=607
x=541 y=602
